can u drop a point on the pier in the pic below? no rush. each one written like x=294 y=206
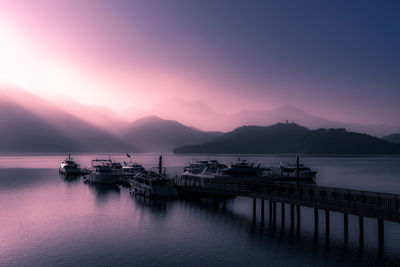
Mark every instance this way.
x=380 y=206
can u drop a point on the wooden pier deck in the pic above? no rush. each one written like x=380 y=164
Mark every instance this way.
x=381 y=206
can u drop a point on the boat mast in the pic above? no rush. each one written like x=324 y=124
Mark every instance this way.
x=160 y=164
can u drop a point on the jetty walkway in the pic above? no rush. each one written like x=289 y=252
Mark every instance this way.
x=381 y=206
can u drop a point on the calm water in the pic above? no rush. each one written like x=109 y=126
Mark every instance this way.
x=48 y=220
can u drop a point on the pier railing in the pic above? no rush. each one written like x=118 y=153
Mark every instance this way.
x=383 y=206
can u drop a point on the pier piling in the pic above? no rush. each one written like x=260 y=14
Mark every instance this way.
x=346 y=225
x=270 y=210
x=283 y=215
x=380 y=231
x=298 y=217
x=361 y=226
x=291 y=215
x=262 y=210
x=327 y=224
x=254 y=208
x=316 y=219
x=274 y=213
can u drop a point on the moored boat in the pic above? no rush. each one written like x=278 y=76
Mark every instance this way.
x=70 y=167
x=296 y=172
x=103 y=172
x=240 y=170
x=154 y=184
x=251 y=173
x=128 y=172
x=199 y=166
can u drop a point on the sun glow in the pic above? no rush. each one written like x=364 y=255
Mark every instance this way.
x=27 y=66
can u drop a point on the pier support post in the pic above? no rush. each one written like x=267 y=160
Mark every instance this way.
x=346 y=225
x=274 y=213
x=361 y=226
x=262 y=210
x=381 y=234
x=254 y=208
x=283 y=215
x=291 y=215
x=298 y=217
x=316 y=219
x=327 y=223
x=270 y=210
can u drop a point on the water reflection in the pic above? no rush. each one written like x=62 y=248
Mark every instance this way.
x=70 y=178
x=12 y=178
x=158 y=206
x=103 y=191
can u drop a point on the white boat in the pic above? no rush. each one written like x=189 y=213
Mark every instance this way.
x=153 y=184
x=103 y=172
x=132 y=169
x=199 y=166
x=128 y=172
x=289 y=172
x=251 y=172
x=243 y=169
x=70 y=167
x=237 y=171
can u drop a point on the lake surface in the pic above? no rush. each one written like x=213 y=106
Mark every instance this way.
x=48 y=220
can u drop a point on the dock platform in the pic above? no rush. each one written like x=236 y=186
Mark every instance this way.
x=381 y=206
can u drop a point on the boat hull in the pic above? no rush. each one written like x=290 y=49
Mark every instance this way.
x=68 y=171
x=304 y=176
x=154 y=191
x=103 y=178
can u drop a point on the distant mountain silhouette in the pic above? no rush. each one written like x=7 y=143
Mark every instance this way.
x=194 y=113
x=292 y=138
x=301 y=117
x=99 y=116
x=199 y=114
x=31 y=124
x=392 y=138
x=153 y=134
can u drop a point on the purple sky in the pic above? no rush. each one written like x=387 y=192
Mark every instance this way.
x=337 y=59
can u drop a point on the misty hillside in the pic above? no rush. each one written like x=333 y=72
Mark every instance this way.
x=204 y=117
x=153 y=134
x=40 y=126
x=393 y=138
x=98 y=116
x=196 y=113
x=22 y=131
x=292 y=138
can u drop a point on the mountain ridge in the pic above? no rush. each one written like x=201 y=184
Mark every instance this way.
x=153 y=134
x=204 y=117
x=291 y=138
x=392 y=138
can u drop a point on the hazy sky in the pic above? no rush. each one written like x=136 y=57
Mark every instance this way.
x=338 y=59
